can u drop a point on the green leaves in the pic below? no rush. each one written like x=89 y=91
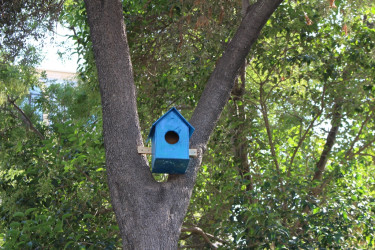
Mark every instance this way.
x=293 y=78
x=52 y=194
x=18 y=214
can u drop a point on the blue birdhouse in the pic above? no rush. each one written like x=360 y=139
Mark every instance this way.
x=170 y=136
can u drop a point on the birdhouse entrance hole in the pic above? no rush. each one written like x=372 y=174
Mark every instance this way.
x=172 y=137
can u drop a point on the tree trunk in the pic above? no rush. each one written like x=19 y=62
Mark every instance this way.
x=150 y=214
x=239 y=140
x=330 y=142
x=331 y=138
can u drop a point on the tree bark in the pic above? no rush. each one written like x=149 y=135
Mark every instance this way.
x=239 y=140
x=330 y=141
x=150 y=214
x=144 y=208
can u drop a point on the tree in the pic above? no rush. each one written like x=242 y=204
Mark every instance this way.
x=291 y=91
x=301 y=106
x=149 y=213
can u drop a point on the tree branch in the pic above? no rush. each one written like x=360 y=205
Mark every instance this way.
x=307 y=131
x=197 y=246
x=349 y=152
x=206 y=236
x=220 y=84
x=121 y=129
x=240 y=142
x=362 y=148
x=199 y=231
x=268 y=128
x=26 y=119
x=330 y=141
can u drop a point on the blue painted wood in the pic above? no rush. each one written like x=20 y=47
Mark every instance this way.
x=170 y=154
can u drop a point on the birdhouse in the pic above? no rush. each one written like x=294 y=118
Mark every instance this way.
x=170 y=136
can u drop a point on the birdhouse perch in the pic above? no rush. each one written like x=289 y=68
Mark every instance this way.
x=170 y=136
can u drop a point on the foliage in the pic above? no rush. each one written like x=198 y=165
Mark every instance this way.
x=293 y=80
x=22 y=20
x=311 y=70
x=52 y=190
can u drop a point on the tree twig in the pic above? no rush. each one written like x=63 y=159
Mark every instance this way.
x=199 y=231
x=26 y=119
x=206 y=236
x=268 y=128
x=362 y=148
x=307 y=131
x=192 y=246
x=349 y=152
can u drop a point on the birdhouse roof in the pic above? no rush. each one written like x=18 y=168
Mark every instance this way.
x=152 y=130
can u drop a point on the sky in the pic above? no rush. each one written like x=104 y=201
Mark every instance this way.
x=54 y=44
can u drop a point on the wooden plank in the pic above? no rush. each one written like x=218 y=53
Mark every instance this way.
x=146 y=150
x=193 y=152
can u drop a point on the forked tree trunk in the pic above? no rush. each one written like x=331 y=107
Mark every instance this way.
x=150 y=214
